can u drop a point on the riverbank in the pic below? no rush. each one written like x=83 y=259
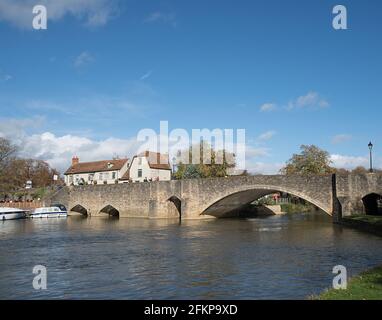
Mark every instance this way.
x=371 y=224
x=366 y=286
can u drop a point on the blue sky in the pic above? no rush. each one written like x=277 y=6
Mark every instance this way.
x=106 y=69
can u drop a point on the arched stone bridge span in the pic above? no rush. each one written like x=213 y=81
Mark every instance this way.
x=336 y=195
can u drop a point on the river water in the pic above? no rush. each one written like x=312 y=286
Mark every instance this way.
x=279 y=257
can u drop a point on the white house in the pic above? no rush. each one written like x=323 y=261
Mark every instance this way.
x=96 y=172
x=150 y=166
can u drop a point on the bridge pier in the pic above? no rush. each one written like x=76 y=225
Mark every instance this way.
x=350 y=206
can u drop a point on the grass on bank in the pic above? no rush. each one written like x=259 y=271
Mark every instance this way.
x=366 y=286
x=371 y=220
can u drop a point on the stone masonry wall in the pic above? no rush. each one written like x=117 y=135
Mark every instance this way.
x=151 y=199
x=353 y=187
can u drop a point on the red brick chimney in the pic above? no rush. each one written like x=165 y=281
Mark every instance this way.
x=75 y=160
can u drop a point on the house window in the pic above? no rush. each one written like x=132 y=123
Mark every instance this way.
x=139 y=173
x=101 y=176
x=91 y=177
x=113 y=175
x=106 y=176
x=70 y=179
x=77 y=178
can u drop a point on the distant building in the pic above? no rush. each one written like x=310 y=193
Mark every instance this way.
x=147 y=166
x=96 y=172
x=150 y=166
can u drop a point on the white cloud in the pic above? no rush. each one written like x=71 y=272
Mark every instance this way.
x=58 y=150
x=267 y=107
x=264 y=168
x=310 y=100
x=255 y=152
x=348 y=162
x=92 y=13
x=156 y=17
x=14 y=129
x=253 y=163
x=266 y=135
x=83 y=59
x=146 y=75
x=340 y=138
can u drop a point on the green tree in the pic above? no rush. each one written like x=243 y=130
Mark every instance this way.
x=191 y=172
x=311 y=160
x=212 y=163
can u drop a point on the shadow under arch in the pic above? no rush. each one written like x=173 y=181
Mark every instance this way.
x=110 y=210
x=175 y=208
x=229 y=205
x=79 y=209
x=372 y=204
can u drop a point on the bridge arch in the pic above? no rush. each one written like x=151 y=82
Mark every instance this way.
x=79 y=209
x=175 y=206
x=110 y=210
x=238 y=197
x=371 y=203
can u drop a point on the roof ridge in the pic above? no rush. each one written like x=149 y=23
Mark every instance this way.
x=97 y=166
x=101 y=161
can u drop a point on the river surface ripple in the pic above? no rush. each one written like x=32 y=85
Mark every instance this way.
x=279 y=257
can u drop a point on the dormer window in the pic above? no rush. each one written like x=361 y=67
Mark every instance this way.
x=109 y=165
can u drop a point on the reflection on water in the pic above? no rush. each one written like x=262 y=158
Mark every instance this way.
x=92 y=258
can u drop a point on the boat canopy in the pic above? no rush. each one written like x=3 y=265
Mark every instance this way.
x=47 y=210
x=11 y=210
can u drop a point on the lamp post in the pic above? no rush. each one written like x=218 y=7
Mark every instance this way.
x=370 y=145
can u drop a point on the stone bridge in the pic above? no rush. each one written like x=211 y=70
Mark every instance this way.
x=336 y=195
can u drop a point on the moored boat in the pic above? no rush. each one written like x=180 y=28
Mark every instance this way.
x=12 y=213
x=56 y=211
